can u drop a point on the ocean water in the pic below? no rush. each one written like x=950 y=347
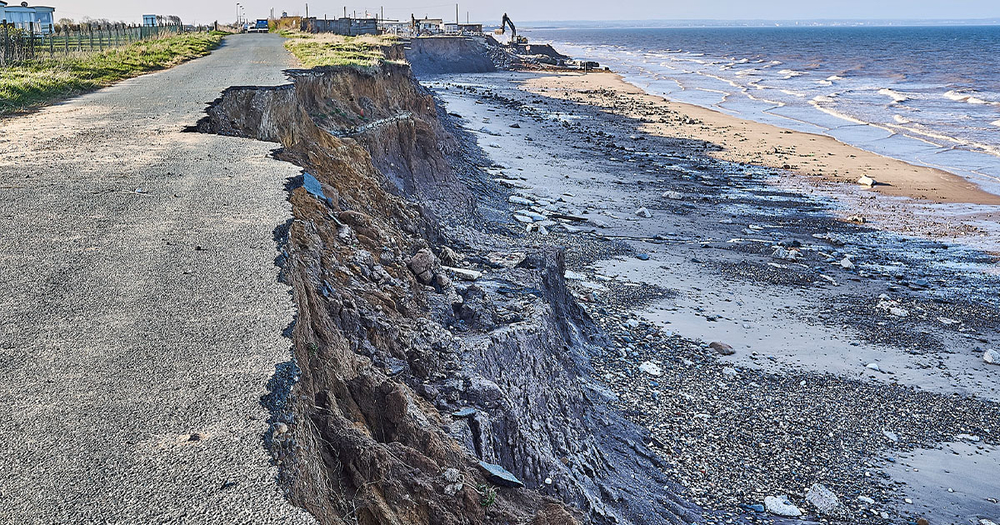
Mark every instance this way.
x=926 y=95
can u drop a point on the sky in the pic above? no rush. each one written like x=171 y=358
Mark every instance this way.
x=206 y=11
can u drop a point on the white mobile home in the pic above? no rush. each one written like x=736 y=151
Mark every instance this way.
x=38 y=19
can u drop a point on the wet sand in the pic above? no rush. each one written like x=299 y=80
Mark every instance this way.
x=751 y=142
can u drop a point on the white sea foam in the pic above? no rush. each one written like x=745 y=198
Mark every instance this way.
x=793 y=93
x=896 y=96
x=834 y=78
x=790 y=73
x=822 y=99
x=834 y=113
x=901 y=119
x=969 y=98
x=996 y=123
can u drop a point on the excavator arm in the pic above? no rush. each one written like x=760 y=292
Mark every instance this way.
x=506 y=22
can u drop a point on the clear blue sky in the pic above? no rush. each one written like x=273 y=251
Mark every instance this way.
x=204 y=11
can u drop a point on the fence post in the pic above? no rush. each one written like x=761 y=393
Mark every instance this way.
x=3 y=57
x=65 y=32
x=52 y=34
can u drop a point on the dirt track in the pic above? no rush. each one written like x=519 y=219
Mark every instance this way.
x=141 y=315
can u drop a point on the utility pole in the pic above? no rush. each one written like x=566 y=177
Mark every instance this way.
x=307 y=10
x=457 y=19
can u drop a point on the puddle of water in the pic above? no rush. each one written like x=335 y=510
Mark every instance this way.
x=955 y=484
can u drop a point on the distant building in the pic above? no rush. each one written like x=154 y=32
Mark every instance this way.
x=430 y=25
x=452 y=28
x=341 y=26
x=149 y=20
x=394 y=27
x=38 y=19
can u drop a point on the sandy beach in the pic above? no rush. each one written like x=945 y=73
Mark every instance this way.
x=744 y=141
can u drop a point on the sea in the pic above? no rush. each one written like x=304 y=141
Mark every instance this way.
x=925 y=95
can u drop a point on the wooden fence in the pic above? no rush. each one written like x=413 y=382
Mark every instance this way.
x=20 y=44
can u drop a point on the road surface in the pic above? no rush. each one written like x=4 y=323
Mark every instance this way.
x=140 y=314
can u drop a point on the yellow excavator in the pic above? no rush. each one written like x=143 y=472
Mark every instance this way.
x=514 y=39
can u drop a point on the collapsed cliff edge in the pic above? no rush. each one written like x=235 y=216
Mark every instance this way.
x=440 y=373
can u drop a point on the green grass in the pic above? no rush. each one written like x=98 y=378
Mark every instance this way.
x=334 y=50
x=38 y=82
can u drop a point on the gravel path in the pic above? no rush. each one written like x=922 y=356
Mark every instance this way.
x=141 y=317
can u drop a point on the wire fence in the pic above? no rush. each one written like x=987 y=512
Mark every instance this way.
x=20 y=44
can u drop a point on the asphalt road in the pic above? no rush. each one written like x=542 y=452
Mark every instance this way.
x=139 y=304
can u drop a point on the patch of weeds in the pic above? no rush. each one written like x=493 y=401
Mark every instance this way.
x=487 y=495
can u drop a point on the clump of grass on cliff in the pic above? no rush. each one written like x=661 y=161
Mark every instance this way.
x=336 y=50
x=37 y=82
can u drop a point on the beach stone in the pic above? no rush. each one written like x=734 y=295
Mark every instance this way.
x=643 y=212
x=464 y=273
x=923 y=521
x=991 y=357
x=783 y=253
x=651 y=368
x=891 y=436
x=498 y=475
x=865 y=180
x=825 y=501
x=846 y=263
x=781 y=506
x=465 y=412
x=421 y=265
x=451 y=475
x=524 y=219
x=673 y=195
x=722 y=348
x=449 y=256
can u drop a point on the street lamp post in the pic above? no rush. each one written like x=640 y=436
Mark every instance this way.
x=237 y=13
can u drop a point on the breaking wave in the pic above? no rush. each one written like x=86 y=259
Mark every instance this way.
x=896 y=96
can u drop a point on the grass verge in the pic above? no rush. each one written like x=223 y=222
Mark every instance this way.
x=35 y=83
x=335 y=50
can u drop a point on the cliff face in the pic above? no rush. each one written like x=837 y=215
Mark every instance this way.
x=437 y=55
x=405 y=377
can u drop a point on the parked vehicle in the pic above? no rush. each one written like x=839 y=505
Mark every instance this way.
x=259 y=27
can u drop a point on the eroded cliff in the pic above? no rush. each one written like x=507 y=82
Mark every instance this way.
x=426 y=352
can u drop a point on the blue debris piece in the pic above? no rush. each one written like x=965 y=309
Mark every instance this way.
x=465 y=412
x=642 y=256
x=312 y=186
x=498 y=475
x=757 y=507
